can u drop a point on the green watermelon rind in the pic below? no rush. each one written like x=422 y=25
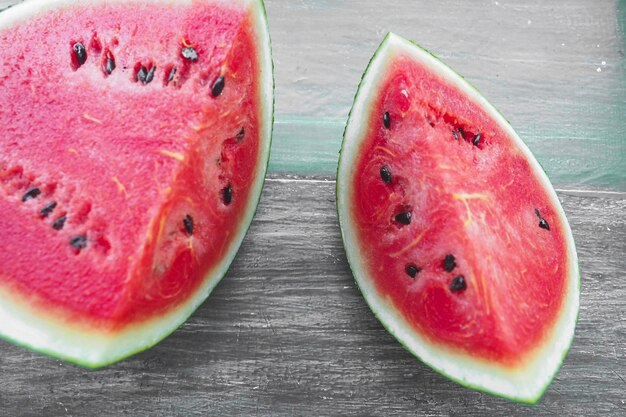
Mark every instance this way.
x=174 y=319
x=540 y=172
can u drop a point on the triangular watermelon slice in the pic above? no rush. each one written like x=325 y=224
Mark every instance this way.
x=453 y=232
x=134 y=144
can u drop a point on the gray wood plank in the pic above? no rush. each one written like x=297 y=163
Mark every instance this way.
x=287 y=333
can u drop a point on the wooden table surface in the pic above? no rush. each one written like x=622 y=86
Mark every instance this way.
x=287 y=333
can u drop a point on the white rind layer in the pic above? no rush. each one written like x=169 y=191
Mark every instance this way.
x=26 y=326
x=525 y=384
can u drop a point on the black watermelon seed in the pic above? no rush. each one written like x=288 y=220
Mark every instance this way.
x=189 y=53
x=80 y=52
x=171 y=76
x=404 y=218
x=456 y=135
x=47 y=209
x=462 y=133
x=385 y=174
x=387 y=120
x=542 y=222
x=458 y=284
x=31 y=193
x=142 y=74
x=59 y=223
x=476 y=139
x=241 y=135
x=150 y=75
x=188 y=223
x=79 y=242
x=110 y=65
x=227 y=194
x=412 y=270
x=218 y=86
x=449 y=263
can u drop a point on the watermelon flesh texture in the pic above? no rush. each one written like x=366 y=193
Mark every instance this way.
x=454 y=233
x=130 y=170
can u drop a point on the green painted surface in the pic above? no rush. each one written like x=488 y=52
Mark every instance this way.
x=555 y=70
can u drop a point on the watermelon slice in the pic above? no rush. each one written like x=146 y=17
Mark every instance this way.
x=135 y=139
x=454 y=234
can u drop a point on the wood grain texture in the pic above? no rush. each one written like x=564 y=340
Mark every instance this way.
x=554 y=68
x=287 y=333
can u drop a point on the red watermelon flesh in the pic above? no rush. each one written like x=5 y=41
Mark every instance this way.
x=129 y=169
x=453 y=231
x=468 y=202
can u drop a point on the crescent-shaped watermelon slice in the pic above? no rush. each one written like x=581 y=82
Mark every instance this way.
x=134 y=144
x=453 y=232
